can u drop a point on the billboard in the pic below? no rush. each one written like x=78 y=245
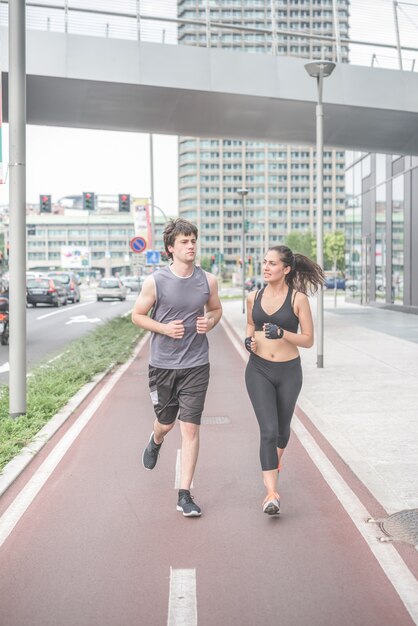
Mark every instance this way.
x=142 y=223
x=75 y=257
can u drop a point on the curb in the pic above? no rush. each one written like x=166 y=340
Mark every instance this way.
x=16 y=465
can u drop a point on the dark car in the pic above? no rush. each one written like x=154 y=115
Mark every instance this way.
x=330 y=282
x=70 y=282
x=45 y=291
x=253 y=283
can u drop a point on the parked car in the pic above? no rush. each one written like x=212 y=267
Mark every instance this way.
x=45 y=291
x=71 y=283
x=330 y=282
x=253 y=283
x=132 y=283
x=110 y=288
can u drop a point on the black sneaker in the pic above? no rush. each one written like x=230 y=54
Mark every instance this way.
x=151 y=452
x=187 y=505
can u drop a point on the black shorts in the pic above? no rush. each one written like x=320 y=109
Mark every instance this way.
x=181 y=390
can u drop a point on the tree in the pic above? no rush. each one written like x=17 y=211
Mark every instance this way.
x=206 y=263
x=334 y=251
x=303 y=243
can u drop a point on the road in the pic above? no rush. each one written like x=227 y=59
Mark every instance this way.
x=49 y=329
x=102 y=542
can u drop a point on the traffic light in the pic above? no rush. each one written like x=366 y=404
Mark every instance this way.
x=88 y=200
x=45 y=204
x=124 y=203
x=212 y=260
x=250 y=260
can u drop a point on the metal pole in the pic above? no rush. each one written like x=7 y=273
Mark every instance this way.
x=398 y=39
x=336 y=31
x=273 y=28
x=17 y=164
x=320 y=217
x=208 y=28
x=243 y=253
x=243 y=192
x=151 y=169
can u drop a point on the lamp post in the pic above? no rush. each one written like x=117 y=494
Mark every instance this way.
x=243 y=192
x=320 y=70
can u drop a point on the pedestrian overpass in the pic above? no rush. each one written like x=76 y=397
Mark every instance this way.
x=90 y=82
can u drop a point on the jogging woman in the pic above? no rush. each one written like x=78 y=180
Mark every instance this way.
x=274 y=374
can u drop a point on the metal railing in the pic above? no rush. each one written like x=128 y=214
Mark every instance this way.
x=382 y=32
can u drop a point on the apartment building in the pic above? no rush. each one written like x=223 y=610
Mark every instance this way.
x=280 y=179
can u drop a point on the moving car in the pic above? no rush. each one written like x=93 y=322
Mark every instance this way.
x=330 y=282
x=110 y=288
x=70 y=282
x=45 y=291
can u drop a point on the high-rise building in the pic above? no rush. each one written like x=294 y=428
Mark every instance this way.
x=280 y=179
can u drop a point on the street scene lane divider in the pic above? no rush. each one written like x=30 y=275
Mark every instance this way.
x=182 y=602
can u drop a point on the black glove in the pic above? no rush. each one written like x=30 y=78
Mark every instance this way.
x=272 y=331
x=247 y=343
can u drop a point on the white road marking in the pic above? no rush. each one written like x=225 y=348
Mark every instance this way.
x=80 y=319
x=182 y=602
x=63 y=310
x=177 y=480
x=24 y=499
x=5 y=367
x=397 y=572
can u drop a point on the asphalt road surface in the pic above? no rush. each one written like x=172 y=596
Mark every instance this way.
x=49 y=329
x=102 y=541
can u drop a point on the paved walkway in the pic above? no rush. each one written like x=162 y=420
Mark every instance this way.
x=365 y=399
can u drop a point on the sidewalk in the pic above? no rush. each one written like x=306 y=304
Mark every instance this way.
x=365 y=399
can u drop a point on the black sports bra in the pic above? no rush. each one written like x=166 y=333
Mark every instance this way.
x=283 y=317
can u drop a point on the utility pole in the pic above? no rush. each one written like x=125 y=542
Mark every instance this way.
x=17 y=165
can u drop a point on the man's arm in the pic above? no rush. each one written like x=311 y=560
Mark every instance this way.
x=143 y=305
x=213 y=309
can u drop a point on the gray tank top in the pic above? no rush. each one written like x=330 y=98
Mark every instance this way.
x=179 y=299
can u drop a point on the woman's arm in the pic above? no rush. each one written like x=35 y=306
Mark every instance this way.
x=305 y=338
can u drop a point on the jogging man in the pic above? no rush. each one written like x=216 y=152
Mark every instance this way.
x=185 y=306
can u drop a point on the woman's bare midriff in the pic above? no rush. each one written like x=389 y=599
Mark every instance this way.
x=274 y=349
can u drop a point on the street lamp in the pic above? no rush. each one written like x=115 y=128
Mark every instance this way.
x=243 y=192
x=320 y=70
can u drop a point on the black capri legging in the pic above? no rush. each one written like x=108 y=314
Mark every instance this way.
x=273 y=388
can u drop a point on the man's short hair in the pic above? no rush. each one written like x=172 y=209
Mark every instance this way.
x=174 y=228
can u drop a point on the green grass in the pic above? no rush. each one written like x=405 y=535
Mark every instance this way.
x=51 y=385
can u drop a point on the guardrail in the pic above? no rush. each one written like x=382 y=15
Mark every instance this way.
x=392 y=44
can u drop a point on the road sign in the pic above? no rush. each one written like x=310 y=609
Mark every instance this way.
x=138 y=244
x=153 y=257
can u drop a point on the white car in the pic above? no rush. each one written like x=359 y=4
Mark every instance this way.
x=110 y=288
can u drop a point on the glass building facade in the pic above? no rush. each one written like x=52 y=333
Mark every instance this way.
x=382 y=230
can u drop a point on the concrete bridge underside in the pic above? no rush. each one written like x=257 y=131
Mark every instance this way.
x=88 y=82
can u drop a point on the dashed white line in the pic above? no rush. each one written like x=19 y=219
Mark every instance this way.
x=182 y=603
x=63 y=310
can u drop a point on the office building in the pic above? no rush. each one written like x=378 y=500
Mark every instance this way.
x=280 y=179
x=382 y=230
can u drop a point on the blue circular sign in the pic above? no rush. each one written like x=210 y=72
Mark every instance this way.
x=138 y=244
